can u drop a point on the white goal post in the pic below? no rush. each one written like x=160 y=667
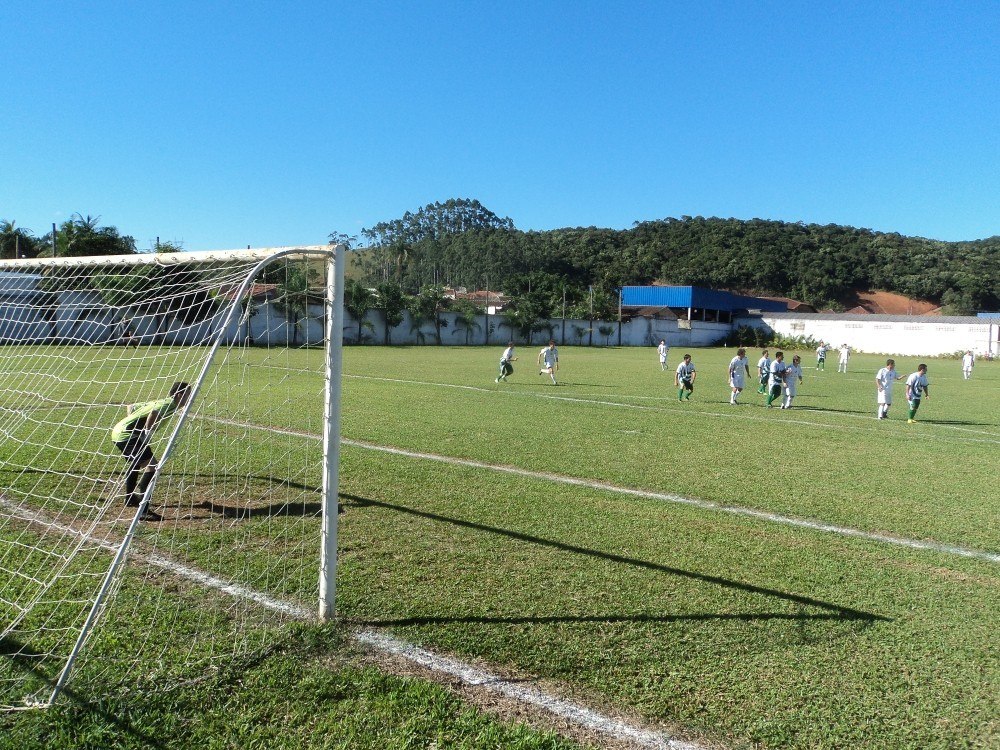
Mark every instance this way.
x=169 y=454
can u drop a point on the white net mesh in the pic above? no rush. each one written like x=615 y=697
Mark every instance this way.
x=227 y=552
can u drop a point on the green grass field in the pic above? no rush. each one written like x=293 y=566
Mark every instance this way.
x=541 y=531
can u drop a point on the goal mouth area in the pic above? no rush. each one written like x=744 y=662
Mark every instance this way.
x=163 y=412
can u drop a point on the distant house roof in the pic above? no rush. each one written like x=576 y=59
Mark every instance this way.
x=482 y=297
x=663 y=313
x=257 y=291
x=495 y=300
x=793 y=305
x=695 y=296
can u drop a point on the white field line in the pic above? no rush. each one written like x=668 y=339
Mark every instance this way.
x=681 y=500
x=193 y=574
x=574 y=713
x=738 y=413
x=736 y=510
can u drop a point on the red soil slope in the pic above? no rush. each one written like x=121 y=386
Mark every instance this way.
x=889 y=303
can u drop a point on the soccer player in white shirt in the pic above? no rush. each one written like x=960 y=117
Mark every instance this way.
x=763 y=370
x=739 y=368
x=684 y=379
x=821 y=356
x=845 y=354
x=776 y=378
x=884 y=379
x=968 y=362
x=506 y=368
x=548 y=360
x=662 y=350
x=793 y=376
x=916 y=387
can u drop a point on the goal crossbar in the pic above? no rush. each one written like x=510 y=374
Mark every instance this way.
x=173 y=258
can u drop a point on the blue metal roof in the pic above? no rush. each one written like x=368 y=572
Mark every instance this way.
x=697 y=297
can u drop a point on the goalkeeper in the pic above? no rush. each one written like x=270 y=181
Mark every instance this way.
x=132 y=435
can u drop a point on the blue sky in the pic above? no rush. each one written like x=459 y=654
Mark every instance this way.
x=221 y=125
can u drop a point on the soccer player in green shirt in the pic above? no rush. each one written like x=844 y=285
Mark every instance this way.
x=132 y=435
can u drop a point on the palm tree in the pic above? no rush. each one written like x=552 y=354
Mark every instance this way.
x=249 y=310
x=466 y=314
x=358 y=300
x=15 y=242
x=293 y=296
x=419 y=315
x=428 y=305
x=390 y=301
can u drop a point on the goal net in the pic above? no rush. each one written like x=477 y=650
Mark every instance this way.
x=149 y=538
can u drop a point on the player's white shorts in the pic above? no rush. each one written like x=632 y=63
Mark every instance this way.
x=790 y=389
x=884 y=397
x=737 y=380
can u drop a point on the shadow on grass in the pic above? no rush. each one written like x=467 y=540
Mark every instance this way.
x=833 y=411
x=299 y=509
x=23 y=657
x=607 y=619
x=304 y=510
x=833 y=611
x=963 y=423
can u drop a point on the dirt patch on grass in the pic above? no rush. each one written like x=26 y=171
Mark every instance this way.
x=509 y=709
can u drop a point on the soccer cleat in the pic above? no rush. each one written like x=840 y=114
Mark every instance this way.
x=497 y=380
x=911 y=421
x=150 y=515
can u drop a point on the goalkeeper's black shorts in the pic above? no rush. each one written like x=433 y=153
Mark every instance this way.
x=136 y=449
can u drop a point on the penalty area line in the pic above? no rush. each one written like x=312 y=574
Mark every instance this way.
x=668 y=497
x=735 y=510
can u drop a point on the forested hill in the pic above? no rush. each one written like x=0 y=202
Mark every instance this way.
x=460 y=243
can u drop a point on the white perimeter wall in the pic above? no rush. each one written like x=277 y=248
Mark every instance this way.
x=492 y=330
x=84 y=319
x=889 y=334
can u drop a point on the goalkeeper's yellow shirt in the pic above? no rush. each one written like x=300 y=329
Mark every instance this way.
x=123 y=430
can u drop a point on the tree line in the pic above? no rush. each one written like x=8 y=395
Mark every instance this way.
x=461 y=243
x=577 y=272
